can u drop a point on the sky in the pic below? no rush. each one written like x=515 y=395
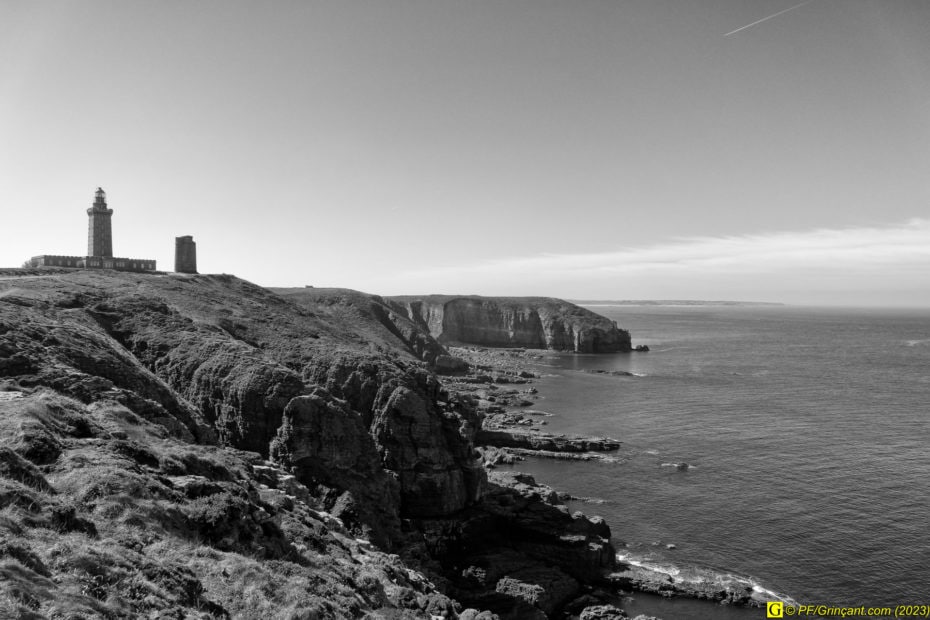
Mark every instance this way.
x=586 y=149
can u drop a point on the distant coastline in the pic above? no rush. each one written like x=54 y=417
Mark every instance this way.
x=670 y=302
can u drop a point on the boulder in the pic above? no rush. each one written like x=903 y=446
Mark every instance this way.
x=449 y=365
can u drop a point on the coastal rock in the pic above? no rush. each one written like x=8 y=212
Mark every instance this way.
x=614 y=373
x=543 y=587
x=423 y=435
x=602 y=612
x=544 y=442
x=492 y=456
x=632 y=577
x=439 y=473
x=322 y=440
x=532 y=322
x=519 y=552
x=448 y=365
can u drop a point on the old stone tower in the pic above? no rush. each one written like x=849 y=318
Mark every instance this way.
x=99 y=231
x=185 y=255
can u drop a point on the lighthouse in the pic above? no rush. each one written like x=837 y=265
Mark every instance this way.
x=99 y=230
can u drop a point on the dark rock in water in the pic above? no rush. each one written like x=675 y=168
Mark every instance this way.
x=543 y=441
x=642 y=348
x=615 y=373
x=645 y=580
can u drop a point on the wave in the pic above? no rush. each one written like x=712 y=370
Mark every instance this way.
x=666 y=569
x=700 y=575
x=682 y=466
x=914 y=343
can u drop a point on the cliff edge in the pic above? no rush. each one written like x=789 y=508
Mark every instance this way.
x=531 y=322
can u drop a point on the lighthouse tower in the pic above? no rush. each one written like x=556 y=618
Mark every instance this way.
x=99 y=231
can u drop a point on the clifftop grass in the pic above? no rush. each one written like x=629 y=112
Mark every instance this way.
x=114 y=518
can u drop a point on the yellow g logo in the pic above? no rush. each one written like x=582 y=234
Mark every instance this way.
x=774 y=609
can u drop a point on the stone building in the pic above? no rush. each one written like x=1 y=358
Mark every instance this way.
x=99 y=245
x=185 y=254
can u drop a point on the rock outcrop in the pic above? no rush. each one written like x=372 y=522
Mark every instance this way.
x=534 y=440
x=532 y=322
x=520 y=552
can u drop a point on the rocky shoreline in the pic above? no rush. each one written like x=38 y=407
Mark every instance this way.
x=199 y=446
x=509 y=423
x=511 y=431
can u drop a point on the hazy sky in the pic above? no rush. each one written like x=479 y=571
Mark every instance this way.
x=576 y=148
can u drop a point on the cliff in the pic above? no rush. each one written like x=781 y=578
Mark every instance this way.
x=532 y=322
x=198 y=444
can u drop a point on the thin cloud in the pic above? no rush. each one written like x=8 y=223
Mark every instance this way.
x=866 y=248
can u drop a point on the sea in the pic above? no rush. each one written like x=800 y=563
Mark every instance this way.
x=806 y=434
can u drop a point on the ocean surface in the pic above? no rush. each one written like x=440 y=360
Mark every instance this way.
x=807 y=432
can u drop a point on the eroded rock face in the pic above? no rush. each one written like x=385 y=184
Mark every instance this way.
x=321 y=439
x=532 y=322
x=438 y=473
x=425 y=435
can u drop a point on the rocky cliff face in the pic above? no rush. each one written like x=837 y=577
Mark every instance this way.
x=268 y=427
x=532 y=322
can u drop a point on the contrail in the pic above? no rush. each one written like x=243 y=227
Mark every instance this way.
x=796 y=6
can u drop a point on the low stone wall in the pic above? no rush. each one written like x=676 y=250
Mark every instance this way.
x=95 y=262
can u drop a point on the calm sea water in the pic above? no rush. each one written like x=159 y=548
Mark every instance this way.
x=808 y=433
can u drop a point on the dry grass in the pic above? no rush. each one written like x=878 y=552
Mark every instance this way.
x=113 y=518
